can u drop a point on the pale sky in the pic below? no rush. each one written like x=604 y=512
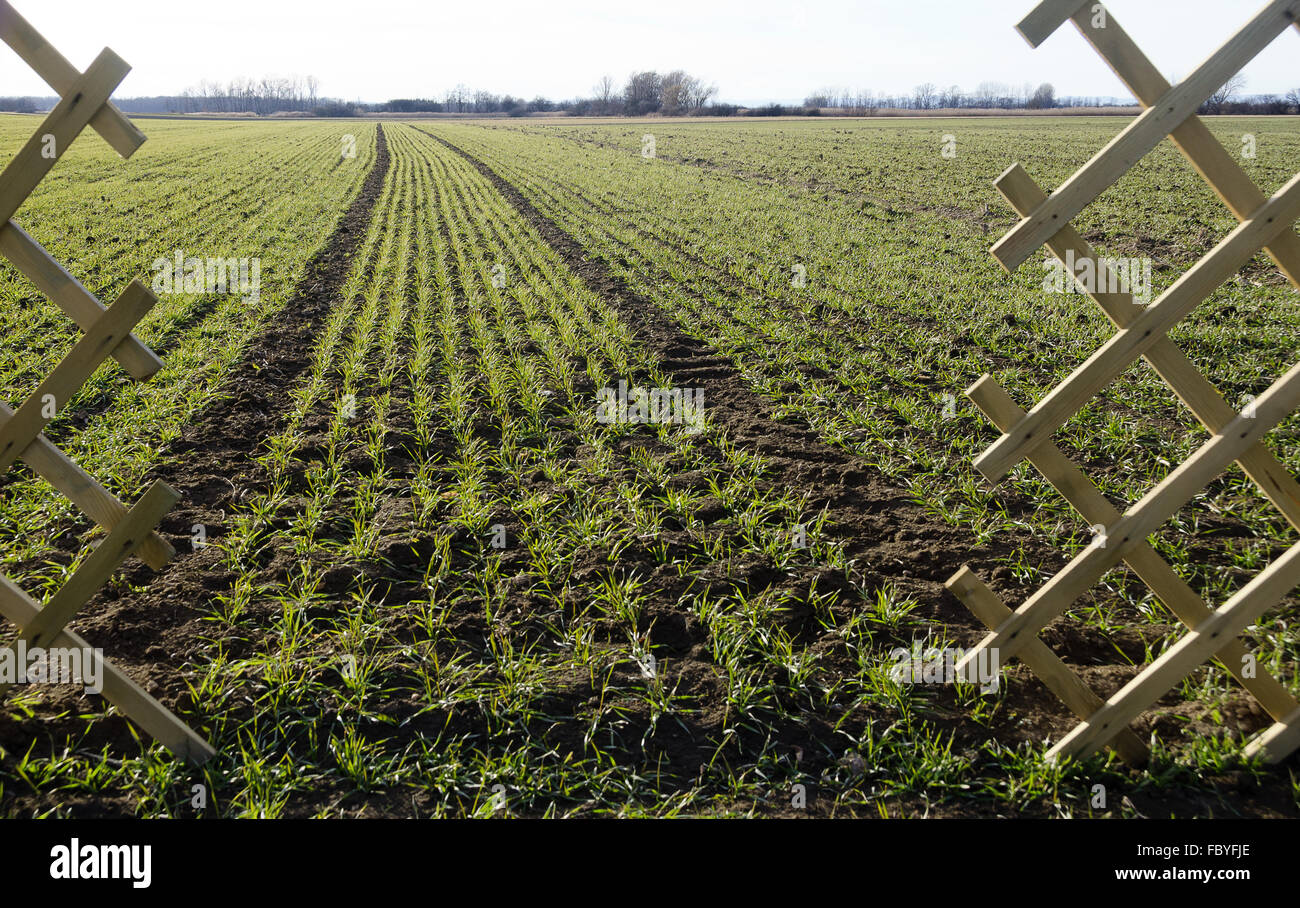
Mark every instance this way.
x=755 y=50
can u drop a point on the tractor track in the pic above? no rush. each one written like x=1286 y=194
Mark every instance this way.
x=887 y=533
x=158 y=634
x=891 y=538
x=153 y=634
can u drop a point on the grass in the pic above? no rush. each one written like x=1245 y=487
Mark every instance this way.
x=228 y=190
x=871 y=369
x=449 y=589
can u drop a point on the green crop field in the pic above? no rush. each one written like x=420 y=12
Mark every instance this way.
x=429 y=566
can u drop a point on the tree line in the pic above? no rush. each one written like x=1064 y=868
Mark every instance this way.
x=675 y=93
x=928 y=96
x=648 y=92
x=1228 y=99
x=268 y=95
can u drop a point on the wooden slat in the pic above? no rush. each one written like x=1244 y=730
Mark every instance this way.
x=62 y=76
x=84 y=101
x=1194 y=139
x=24 y=173
x=1143 y=332
x=1170 y=363
x=1183 y=658
x=93 y=573
x=1047 y=17
x=1046 y=220
x=80 y=305
x=81 y=489
x=1278 y=741
x=1056 y=676
x=1154 y=571
x=133 y=700
x=99 y=567
x=68 y=376
x=1143 y=134
x=1144 y=518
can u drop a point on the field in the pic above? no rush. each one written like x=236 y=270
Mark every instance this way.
x=420 y=574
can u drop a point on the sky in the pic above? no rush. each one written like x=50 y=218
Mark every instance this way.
x=754 y=50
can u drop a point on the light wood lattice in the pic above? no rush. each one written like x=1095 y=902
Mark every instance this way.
x=1265 y=222
x=84 y=101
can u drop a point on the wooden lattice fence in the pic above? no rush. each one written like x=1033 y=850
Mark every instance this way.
x=84 y=101
x=1265 y=222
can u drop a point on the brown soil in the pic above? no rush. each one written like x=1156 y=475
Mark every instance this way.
x=154 y=635
x=884 y=529
x=895 y=540
x=158 y=633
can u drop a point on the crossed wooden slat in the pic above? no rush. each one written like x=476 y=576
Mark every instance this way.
x=84 y=101
x=25 y=253
x=1266 y=223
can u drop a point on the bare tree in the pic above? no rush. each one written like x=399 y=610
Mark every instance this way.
x=986 y=94
x=1043 y=97
x=924 y=95
x=643 y=92
x=460 y=97
x=700 y=94
x=673 y=92
x=1225 y=94
x=604 y=92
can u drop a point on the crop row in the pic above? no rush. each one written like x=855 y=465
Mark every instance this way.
x=265 y=193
